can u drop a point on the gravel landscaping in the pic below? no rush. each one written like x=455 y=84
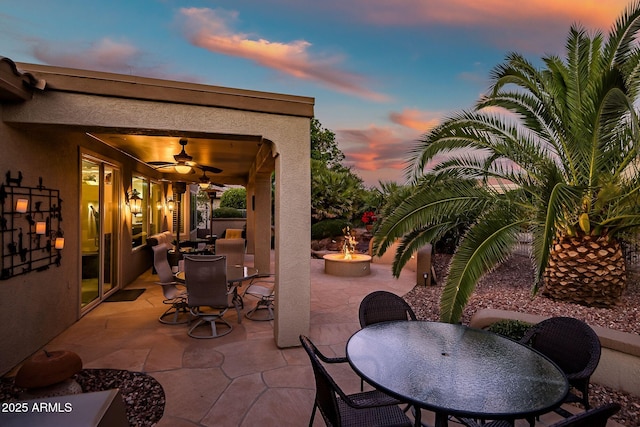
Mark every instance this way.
x=509 y=288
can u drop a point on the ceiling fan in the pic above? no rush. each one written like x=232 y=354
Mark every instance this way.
x=184 y=164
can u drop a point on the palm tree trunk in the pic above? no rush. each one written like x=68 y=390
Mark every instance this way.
x=588 y=270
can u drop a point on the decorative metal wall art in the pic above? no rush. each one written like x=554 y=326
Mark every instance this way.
x=30 y=231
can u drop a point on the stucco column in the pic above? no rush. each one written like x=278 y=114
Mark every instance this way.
x=262 y=221
x=293 y=243
x=251 y=218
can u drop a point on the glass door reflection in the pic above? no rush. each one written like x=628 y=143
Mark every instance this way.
x=99 y=218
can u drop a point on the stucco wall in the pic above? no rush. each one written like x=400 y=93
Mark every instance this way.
x=39 y=305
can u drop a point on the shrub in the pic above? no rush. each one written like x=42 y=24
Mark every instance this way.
x=228 y=213
x=328 y=228
x=514 y=329
x=234 y=198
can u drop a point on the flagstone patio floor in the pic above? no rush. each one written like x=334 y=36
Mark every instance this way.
x=243 y=378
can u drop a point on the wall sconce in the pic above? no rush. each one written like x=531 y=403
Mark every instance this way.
x=171 y=204
x=41 y=227
x=135 y=202
x=21 y=205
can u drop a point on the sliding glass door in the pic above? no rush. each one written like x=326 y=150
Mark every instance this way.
x=99 y=216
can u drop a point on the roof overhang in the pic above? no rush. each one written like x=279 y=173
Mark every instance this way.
x=16 y=86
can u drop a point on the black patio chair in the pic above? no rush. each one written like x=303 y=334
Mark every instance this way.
x=370 y=408
x=596 y=417
x=573 y=346
x=383 y=306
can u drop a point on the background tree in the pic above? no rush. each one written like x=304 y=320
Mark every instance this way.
x=563 y=164
x=324 y=146
x=336 y=192
x=234 y=198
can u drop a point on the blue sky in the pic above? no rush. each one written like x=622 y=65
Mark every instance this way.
x=382 y=72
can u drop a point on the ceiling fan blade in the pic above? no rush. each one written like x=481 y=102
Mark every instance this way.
x=160 y=164
x=211 y=169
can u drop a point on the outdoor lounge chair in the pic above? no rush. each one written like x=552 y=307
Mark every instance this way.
x=371 y=408
x=573 y=346
x=208 y=294
x=175 y=297
x=383 y=306
x=596 y=417
x=262 y=288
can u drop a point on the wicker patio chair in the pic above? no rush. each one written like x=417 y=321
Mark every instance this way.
x=383 y=306
x=573 y=346
x=371 y=408
x=596 y=417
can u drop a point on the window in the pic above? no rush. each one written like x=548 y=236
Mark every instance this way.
x=145 y=204
x=139 y=207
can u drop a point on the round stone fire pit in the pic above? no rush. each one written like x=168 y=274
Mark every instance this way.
x=337 y=265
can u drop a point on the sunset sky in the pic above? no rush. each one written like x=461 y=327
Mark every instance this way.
x=382 y=72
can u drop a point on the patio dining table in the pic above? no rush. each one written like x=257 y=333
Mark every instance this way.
x=455 y=370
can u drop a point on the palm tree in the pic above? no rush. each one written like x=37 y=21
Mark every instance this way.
x=560 y=146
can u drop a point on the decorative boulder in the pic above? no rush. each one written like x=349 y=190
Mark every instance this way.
x=48 y=368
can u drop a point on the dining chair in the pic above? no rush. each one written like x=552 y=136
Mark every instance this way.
x=370 y=408
x=174 y=296
x=383 y=306
x=573 y=346
x=208 y=294
x=262 y=288
x=595 y=417
x=234 y=249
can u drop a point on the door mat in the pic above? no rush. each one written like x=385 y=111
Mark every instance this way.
x=125 y=295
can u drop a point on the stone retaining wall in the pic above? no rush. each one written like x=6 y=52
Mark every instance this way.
x=619 y=366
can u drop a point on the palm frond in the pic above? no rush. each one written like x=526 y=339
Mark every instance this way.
x=488 y=243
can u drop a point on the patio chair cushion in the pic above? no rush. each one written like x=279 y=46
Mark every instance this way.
x=233 y=233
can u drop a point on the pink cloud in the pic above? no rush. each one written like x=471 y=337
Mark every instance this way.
x=209 y=29
x=593 y=13
x=375 y=148
x=380 y=153
x=418 y=120
x=104 y=55
x=538 y=26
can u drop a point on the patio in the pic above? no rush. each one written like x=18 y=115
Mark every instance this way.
x=240 y=379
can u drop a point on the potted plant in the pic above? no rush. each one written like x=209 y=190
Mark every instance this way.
x=368 y=218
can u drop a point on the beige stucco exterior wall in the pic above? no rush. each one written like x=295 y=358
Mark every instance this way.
x=39 y=305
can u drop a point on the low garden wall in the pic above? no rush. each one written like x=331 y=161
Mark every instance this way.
x=619 y=366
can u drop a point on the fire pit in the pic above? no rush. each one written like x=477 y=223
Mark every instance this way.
x=356 y=266
x=347 y=263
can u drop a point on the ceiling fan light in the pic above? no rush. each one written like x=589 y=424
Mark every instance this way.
x=182 y=169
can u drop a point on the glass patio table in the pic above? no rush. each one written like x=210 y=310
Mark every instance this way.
x=456 y=370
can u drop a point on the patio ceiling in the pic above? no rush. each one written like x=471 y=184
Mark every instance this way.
x=234 y=154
